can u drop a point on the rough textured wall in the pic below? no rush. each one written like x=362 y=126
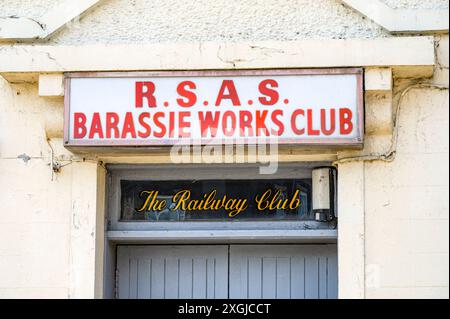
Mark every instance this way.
x=417 y=4
x=26 y=8
x=123 y=21
x=128 y=21
x=34 y=210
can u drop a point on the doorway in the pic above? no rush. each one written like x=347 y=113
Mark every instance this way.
x=187 y=253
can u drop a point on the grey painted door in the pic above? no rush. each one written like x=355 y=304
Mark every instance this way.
x=184 y=272
x=283 y=271
x=250 y=271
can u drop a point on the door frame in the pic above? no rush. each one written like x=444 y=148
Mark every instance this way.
x=204 y=232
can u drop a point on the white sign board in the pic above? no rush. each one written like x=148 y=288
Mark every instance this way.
x=312 y=107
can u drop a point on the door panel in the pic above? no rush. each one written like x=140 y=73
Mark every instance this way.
x=283 y=271
x=159 y=272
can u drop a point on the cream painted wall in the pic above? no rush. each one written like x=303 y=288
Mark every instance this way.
x=50 y=232
x=50 y=227
x=406 y=205
x=34 y=210
x=407 y=201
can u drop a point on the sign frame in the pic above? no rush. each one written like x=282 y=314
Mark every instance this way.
x=357 y=141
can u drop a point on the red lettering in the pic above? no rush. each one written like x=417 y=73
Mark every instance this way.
x=128 y=126
x=311 y=130
x=277 y=122
x=261 y=122
x=182 y=124
x=228 y=115
x=160 y=125
x=171 y=124
x=323 y=121
x=295 y=129
x=208 y=122
x=96 y=126
x=245 y=121
x=148 y=94
x=345 y=121
x=271 y=95
x=112 y=120
x=79 y=125
x=232 y=94
x=189 y=95
x=144 y=125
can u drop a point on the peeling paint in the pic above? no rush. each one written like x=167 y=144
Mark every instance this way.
x=24 y=157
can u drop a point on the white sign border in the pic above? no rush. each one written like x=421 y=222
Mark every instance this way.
x=358 y=141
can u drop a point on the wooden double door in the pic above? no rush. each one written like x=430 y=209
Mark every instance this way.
x=227 y=271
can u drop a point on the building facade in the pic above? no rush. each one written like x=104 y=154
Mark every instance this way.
x=64 y=230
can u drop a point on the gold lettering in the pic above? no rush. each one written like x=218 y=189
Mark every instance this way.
x=151 y=202
x=180 y=199
x=236 y=207
x=295 y=201
x=262 y=203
